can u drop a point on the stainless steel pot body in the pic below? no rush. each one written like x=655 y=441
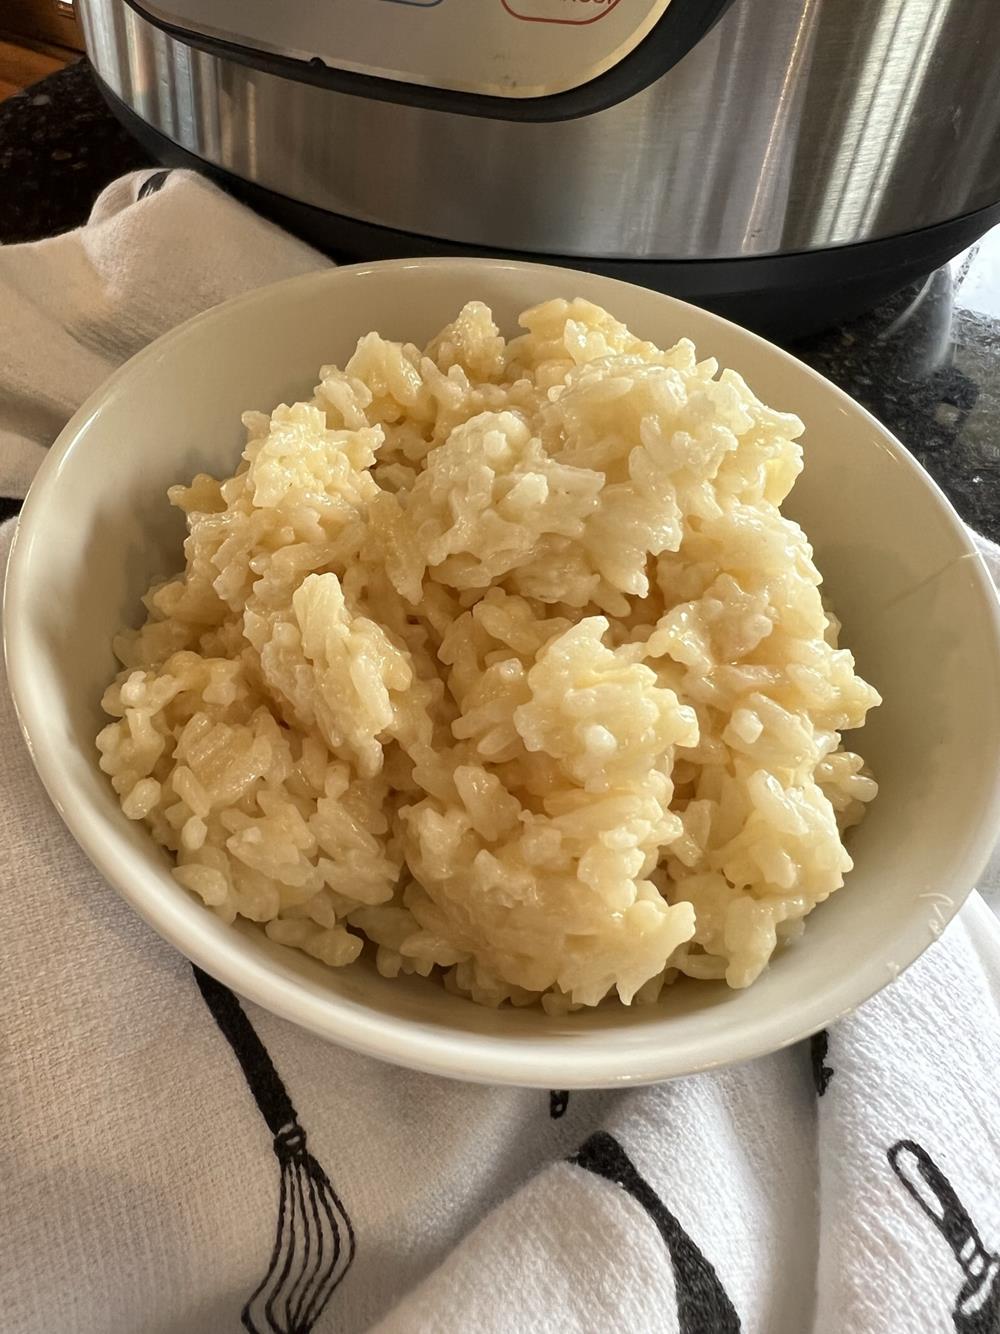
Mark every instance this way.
x=794 y=125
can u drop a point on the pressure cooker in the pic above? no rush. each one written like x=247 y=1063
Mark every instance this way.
x=786 y=162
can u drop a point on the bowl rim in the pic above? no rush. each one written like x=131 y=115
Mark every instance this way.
x=472 y=1057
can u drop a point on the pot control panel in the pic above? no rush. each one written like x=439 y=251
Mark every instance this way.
x=497 y=48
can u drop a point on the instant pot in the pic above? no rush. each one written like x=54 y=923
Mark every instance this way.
x=786 y=162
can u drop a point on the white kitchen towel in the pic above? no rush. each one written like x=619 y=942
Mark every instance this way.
x=74 y=307
x=174 y=1162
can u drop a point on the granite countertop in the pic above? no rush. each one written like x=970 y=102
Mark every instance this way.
x=926 y=362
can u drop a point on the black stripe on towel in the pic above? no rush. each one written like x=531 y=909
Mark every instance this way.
x=153 y=184
x=819 y=1049
x=703 y=1306
x=314 y=1239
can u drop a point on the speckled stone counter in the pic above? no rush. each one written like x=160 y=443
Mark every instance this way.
x=926 y=362
x=59 y=148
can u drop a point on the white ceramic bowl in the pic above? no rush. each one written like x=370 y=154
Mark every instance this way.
x=915 y=599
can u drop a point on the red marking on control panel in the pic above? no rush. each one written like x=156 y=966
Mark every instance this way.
x=559 y=11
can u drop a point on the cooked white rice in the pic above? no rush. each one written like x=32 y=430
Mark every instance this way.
x=501 y=657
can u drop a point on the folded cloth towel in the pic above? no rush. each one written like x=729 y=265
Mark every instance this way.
x=80 y=304
x=156 y=1169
